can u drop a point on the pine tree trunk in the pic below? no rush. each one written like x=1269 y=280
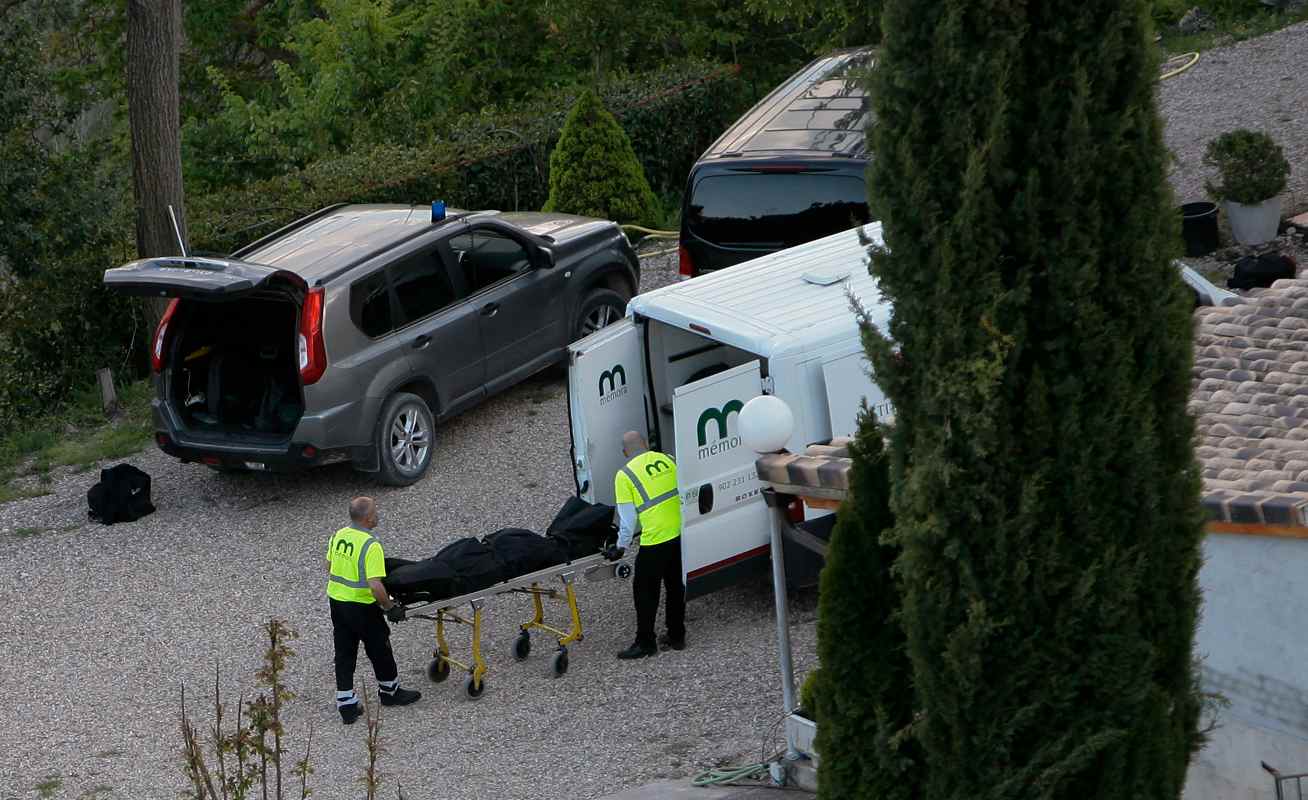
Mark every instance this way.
x=154 y=31
x=1046 y=494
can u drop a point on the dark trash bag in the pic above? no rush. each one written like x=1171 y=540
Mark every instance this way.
x=583 y=529
x=122 y=495
x=414 y=580
x=1261 y=271
x=521 y=551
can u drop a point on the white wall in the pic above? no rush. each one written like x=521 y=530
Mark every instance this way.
x=1253 y=642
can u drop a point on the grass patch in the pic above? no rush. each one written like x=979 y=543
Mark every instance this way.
x=25 y=532
x=77 y=435
x=48 y=787
x=1229 y=30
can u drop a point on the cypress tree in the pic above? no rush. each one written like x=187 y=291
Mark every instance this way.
x=594 y=170
x=861 y=694
x=1045 y=491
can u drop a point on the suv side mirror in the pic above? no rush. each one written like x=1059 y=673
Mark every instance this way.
x=544 y=258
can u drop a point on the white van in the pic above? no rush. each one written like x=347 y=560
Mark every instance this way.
x=685 y=360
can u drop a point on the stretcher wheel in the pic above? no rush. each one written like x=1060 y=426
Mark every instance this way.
x=438 y=670
x=522 y=646
x=474 y=688
x=623 y=570
x=559 y=664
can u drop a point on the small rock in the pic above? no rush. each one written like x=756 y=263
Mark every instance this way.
x=1196 y=20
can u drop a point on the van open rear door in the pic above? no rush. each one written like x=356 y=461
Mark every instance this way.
x=606 y=398
x=724 y=521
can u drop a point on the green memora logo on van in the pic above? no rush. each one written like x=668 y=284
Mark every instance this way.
x=722 y=441
x=616 y=382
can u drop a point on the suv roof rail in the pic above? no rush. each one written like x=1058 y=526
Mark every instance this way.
x=327 y=277
x=299 y=223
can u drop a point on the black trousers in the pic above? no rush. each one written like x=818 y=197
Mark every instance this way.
x=361 y=622
x=659 y=564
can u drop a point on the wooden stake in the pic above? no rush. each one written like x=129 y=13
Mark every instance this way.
x=108 y=395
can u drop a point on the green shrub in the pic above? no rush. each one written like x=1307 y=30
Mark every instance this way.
x=1251 y=167
x=594 y=171
x=491 y=160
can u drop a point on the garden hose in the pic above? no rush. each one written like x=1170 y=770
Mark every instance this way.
x=725 y=775
x=1193 y=58
x=651 y=233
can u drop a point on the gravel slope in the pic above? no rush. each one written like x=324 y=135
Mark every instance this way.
x=103 y=626
x=1261 y=84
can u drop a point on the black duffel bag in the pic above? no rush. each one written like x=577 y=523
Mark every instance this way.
x=122 y=495
x=583 y=529
x=1261 y=270
x=521 y=551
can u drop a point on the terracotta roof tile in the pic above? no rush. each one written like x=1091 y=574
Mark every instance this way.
x=1250 y=402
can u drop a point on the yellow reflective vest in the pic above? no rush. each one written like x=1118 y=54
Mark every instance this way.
x=649 y=482
x=355 y=556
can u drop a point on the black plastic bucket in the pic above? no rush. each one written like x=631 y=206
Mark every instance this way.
x=1199 y=228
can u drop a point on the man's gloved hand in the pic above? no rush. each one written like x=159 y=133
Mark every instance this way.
x=613 y=552
x=395 y=613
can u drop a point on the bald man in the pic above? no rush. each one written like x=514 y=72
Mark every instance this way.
x=358 y=600
x=647 y=496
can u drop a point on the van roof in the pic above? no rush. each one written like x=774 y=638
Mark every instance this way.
x=777 y=304
x=820 y=110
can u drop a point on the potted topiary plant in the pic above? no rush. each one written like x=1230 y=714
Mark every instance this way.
x=1251 y=174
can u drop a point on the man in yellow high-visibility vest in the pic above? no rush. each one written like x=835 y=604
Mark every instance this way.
x=647 y=497
x=358 y=600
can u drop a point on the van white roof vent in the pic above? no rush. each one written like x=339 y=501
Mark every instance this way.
x=826 y=277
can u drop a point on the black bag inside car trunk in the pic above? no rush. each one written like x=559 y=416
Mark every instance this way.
x=583 y=529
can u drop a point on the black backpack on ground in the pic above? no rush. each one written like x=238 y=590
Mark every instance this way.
x=583 y=529
x=1261 y=270
x=122 y=495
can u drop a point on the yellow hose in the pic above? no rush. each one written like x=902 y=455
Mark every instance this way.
x=1193 y=58
x=651 y=233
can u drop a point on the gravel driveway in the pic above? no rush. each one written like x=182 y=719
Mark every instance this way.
x=1262 y=84
x=104 y=625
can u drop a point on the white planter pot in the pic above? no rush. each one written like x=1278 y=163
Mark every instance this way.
x=1254 y=224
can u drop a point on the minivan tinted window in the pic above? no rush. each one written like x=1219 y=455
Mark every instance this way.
x=775 y=209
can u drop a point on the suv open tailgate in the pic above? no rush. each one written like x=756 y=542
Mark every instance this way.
x=195 y=277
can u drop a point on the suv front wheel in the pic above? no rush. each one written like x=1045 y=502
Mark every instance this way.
x=405 y=433
x=599 y=309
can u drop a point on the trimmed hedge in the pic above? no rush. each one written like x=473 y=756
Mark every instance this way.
x=492 y=160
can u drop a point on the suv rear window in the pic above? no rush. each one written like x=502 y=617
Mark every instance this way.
x=775 y=209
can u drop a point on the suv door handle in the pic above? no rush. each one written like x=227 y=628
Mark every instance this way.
x=421 y=342
x=490 y=309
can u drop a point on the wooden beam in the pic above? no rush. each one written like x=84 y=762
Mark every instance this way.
x=1257 y=529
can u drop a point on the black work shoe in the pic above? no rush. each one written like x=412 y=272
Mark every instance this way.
x=667 y=641
x=399 y=697
x=637 y=650
x=351 y=712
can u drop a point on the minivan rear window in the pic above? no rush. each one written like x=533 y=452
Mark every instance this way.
x=775 y=209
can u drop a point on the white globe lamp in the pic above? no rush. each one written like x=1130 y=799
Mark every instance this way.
x=766 y=424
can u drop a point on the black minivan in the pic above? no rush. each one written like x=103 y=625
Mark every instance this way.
x=789 y=171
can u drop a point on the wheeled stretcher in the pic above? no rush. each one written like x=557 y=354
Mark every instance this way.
x=552 y=583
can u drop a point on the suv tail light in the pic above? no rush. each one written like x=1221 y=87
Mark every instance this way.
x=313 y=353
x=684 y=265
x=161 y=337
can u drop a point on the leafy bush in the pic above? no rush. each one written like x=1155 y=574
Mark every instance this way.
x=594 y=171
x=1251 y=167
x=491 y=160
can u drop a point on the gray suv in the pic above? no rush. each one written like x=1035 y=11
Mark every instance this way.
x=349 y=334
